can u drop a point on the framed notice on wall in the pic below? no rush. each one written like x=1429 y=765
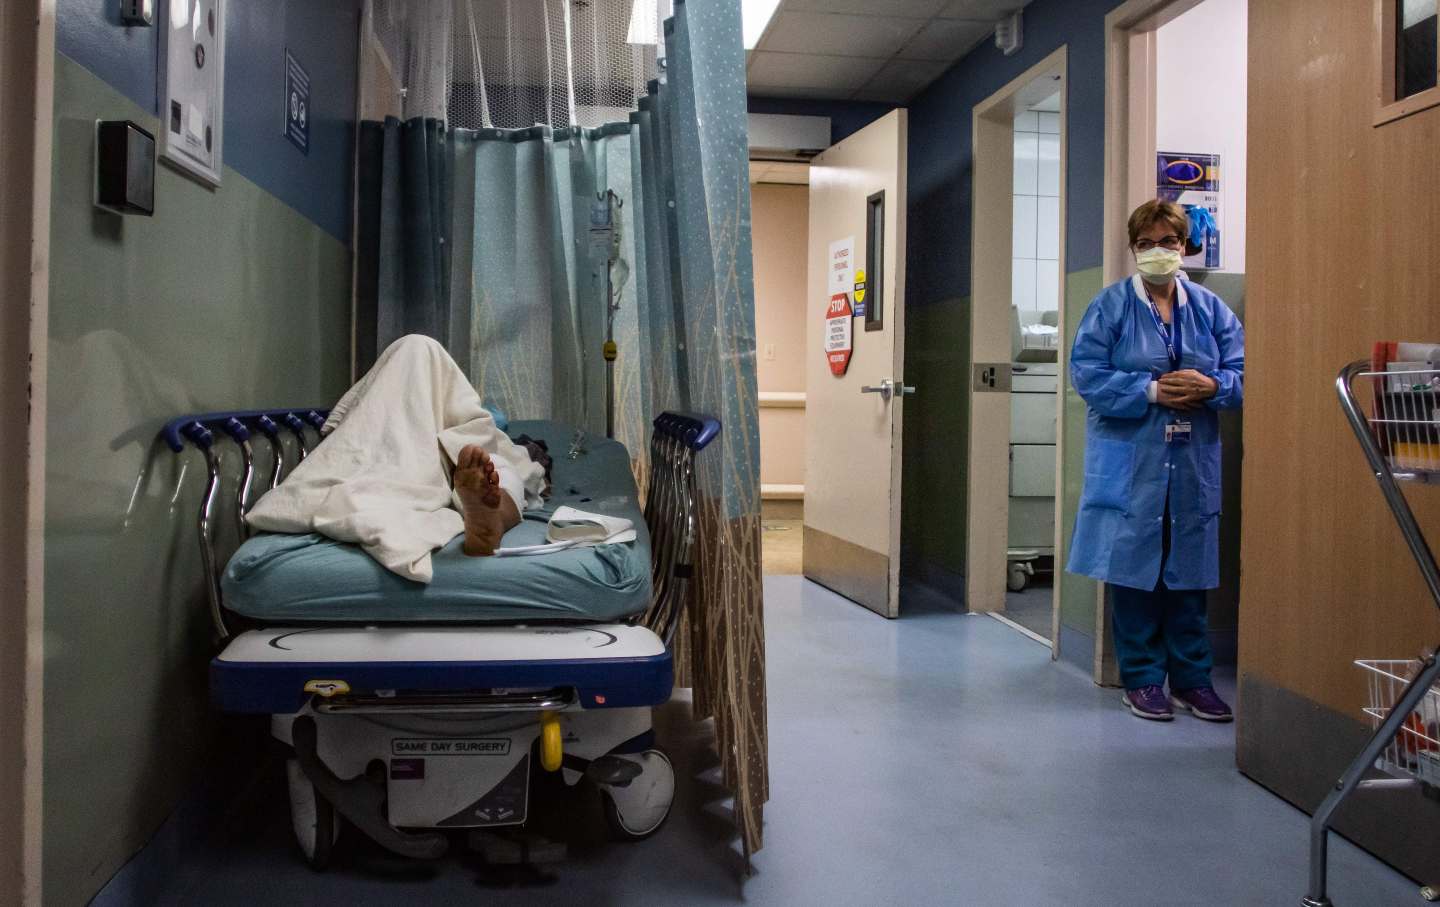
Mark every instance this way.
x=192 y=83
x=1192 y=180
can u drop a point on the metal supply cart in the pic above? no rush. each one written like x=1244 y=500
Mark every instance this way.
x=1398 y=427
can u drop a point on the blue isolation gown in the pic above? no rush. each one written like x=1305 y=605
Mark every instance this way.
x=1130 y=469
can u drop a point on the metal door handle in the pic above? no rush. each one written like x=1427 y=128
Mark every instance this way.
x=885 y=388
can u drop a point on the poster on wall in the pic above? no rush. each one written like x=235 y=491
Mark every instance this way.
x=841 y=266
x=839 y=333
x=193 y=85
x=1193 y=182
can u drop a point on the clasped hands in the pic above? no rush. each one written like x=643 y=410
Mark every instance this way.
x=1184 y=390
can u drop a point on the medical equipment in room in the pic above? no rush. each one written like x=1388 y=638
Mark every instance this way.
x=1398 y=427
x=415 y=709
x=1034 y=378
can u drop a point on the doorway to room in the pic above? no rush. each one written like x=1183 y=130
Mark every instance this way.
x=1017 y=322
x=780 y=214
x=1170 y=135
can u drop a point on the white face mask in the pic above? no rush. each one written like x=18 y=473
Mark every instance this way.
x=1157 y=265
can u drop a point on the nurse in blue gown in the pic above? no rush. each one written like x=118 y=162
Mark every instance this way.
x=1156 y=358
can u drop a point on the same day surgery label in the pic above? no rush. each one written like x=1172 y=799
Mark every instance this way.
x=465 y=746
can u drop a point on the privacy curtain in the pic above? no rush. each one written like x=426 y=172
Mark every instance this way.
x=481 y=238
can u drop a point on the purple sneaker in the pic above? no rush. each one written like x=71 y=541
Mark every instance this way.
x=1149 y=702
x=1202 y=702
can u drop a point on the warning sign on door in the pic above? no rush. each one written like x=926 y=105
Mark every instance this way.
x=838 y=333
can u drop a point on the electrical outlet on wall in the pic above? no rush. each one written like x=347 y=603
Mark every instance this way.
x=769 y=351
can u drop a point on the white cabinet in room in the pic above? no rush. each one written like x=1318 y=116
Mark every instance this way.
x=1032 y=456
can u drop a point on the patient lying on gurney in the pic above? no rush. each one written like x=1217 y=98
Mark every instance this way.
x=411 y=459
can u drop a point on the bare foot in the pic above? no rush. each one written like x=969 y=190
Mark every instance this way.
x=478 y=487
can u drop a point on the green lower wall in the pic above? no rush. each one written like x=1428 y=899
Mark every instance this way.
x=224 y=299
x=1077 y=593
x=935 y=492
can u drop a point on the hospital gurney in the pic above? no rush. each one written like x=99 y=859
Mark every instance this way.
x=411 y=728
x=1399 y=432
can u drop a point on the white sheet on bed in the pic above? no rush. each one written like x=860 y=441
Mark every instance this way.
x=381 y=479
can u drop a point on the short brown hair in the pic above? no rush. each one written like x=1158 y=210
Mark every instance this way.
x=1157 y=210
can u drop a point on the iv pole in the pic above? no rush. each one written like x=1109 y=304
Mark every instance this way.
x=612 y=203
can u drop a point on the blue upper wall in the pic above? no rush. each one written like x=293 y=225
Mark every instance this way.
x=846 y=117
x=322 y=34
x=941 y=151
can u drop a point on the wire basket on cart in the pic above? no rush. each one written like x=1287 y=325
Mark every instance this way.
x=1404 y=419
x=1415 y=750
x=1396 y=419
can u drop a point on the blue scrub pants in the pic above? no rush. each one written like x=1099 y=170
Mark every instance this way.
x=1161 y=631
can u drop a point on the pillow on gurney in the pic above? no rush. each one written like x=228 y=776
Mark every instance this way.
x=275 y=578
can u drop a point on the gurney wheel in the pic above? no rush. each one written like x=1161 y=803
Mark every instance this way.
x=1017 y=578
x=314 y=820
x=637 y=810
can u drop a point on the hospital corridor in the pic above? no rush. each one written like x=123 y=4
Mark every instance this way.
x=716 y=452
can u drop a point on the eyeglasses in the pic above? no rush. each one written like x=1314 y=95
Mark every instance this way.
x=1169 y=242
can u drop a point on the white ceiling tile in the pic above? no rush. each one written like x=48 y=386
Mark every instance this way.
x=812 y=70
x=790 y=91
x=993 y=10
x=946 y=39
x=903 y=78
x=911 y=9
x=840 y=35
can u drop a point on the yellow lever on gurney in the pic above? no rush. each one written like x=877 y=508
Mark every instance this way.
x=552 y=751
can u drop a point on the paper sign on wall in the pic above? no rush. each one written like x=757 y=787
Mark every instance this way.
x=841 y=265
x=297 y=103
x=838 y=335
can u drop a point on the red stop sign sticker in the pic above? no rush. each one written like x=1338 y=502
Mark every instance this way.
x=838 y=339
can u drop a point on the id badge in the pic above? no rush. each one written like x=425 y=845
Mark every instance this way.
x=1177 y=433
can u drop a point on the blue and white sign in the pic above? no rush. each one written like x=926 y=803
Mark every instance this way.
x=297 y=103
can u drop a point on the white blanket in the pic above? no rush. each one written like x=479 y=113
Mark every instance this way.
x=381 y=479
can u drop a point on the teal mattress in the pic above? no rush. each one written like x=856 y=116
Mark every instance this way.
x=302 y=579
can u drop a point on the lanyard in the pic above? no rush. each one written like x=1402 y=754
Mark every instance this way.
x=1170 y=336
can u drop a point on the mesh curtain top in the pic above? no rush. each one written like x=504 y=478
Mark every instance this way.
x=510 y=64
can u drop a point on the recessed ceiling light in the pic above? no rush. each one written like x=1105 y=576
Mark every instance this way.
x=754 y=16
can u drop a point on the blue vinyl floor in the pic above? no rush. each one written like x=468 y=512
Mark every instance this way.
x=940 y=759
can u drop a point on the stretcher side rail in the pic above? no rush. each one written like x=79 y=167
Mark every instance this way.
x=202 y=431
x=671 y=509
x=1371 y=431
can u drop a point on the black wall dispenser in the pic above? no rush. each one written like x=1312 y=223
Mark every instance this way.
x=125 y=168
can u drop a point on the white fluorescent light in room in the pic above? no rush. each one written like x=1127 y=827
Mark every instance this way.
x=754 y=16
